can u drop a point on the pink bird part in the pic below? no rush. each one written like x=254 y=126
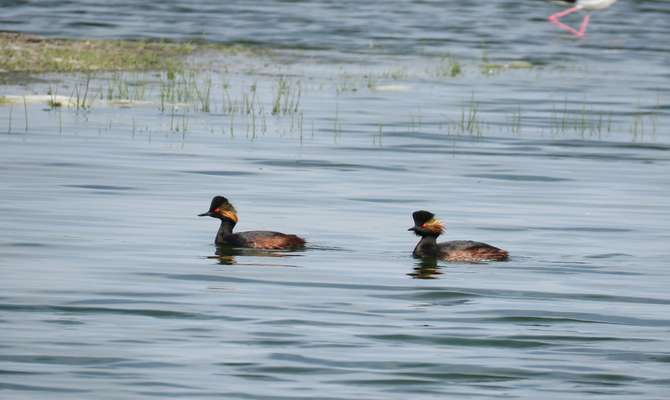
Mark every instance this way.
x=587 y=5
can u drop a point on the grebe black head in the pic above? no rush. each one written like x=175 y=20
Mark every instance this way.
x=425 y=224
x=222 y=209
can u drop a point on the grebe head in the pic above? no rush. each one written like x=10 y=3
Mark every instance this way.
x=425 y=224
x=221 y=209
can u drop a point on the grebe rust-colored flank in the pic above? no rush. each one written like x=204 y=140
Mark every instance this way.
x=221 y=208
x=429 y=228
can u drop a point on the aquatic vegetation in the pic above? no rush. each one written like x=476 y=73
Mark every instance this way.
x=378 y=138
x=515 y=122
x=122 y=87
x=350 y=85
x=10 y=115
x=414 y=121
x=286 y=97
x=80 y=94
x=643 y=124
x=455 y=69
x=246 y=104
x=203 y=93
x=9 y=119
x=176 y=86
x=470 y=117
x=274 y=98
x=398 y=73
x=489 y=68
x=337 y=124
x=449 y=67
x=372 y=83
x=583 y=121
x=33 y=54
x=53 y=101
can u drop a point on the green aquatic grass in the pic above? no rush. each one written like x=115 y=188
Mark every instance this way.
x=287 y=97
x=488 y=68
x=203 y=93
x=471 y=122
x=124 y=88
x=33 y=54
x=449 y=67
x=396 y=74
x=83 y=99
x=181 y=91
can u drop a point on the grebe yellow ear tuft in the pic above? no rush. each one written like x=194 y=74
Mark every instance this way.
x=230 y=214
x=434 y=225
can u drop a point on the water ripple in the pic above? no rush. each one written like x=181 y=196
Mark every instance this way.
x=155 y=313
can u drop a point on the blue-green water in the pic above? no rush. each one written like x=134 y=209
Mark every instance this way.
x=111 y=288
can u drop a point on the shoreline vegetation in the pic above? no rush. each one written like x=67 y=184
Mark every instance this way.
x=183 y=79
x=23 y=53
x=26 y=53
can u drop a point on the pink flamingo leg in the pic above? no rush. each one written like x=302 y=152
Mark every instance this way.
x=556 y=20
x=582 y=27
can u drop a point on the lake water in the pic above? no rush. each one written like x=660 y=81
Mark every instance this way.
x=111 y=287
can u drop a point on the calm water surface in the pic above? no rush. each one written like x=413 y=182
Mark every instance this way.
x=111 y=287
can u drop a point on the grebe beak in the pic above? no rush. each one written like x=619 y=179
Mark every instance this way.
x=412 y=229
x=207 y=214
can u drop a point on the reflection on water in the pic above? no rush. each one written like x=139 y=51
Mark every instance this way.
x=426 y=268
x=228 y=255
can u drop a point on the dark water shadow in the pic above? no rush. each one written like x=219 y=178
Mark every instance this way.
x=228 y=255
x=101 y=187
x=429 y=267
x=219 y=173
x=510 y=177
x=426 y=268
x=321 y=247
x=322 y=164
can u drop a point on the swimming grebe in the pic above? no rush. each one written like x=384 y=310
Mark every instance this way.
x=578 y=5
x=223 y=210
x=429 y=228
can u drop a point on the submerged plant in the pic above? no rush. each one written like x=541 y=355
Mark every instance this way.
x=287 y=97
x=80 y=95
x=203 y=93
x=449 y=67
x=470 y=118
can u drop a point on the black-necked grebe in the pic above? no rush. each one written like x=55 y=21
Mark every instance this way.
x=429 y=228
x=223 y=210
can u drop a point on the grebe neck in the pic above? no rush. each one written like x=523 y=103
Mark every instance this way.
x=225 y=229
x=427 y=247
